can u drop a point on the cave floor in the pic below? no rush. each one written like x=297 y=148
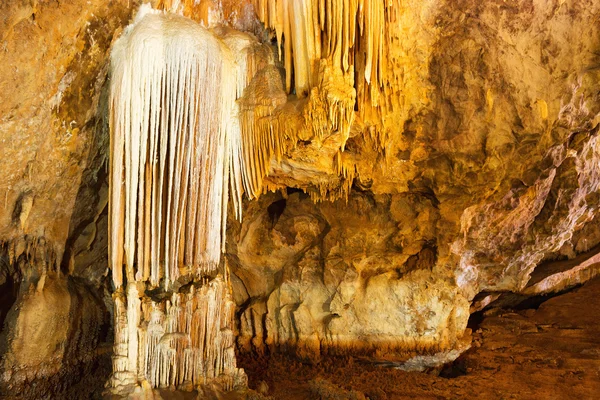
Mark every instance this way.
x=552 y=352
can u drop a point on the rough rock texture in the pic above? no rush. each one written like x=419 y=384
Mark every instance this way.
x=53 y=146
x=471 y=171
x=53 y=71
x=358 y=276
x=53 y=342
x=545 y=353
x=490 y=121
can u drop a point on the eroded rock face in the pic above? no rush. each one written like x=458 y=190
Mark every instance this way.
x=53 y=71
x=335 y=277
x=551 y=352
x=53 y=146
x=514 y=234
x=51 y=337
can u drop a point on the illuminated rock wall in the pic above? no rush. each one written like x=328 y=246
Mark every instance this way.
x=463 y=135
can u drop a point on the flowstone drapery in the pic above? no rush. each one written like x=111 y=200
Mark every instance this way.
x=198 y=115
x=175 y=153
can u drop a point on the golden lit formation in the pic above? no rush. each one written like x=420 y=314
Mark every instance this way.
x=199 y=116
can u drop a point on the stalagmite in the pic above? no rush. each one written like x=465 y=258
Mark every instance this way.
x=190 y=128
x=186 y=340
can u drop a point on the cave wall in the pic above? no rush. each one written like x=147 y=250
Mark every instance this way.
x=487 y=114
x=53 y=72
x=358 y=276
x=476 y=165
x=54 y=146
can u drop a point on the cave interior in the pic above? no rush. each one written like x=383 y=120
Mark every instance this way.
x=300 y=199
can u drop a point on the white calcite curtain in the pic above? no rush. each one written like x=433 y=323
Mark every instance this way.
x=174 y=145
x=175 y=155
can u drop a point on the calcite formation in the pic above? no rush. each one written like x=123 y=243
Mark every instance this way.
x=185 y=341
x=172 y=93
x=174 y=150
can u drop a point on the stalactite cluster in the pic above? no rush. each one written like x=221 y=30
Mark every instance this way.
x=172 y=149
x=34 y=251
x=318 y=45
x=197 y=115
x=271 y=125
x=356 y=37
x=259 y=94
x=261 y=133
x=175 y=157
x=300 y=26
x=346 y=32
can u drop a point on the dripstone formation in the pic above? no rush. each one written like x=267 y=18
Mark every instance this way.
x=189 y=185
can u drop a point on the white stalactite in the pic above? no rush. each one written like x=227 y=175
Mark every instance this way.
x=181 y=145
x=173 y=147
x=176 y=148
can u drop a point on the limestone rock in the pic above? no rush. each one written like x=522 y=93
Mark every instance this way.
x=342 y=277
x=449 y=150
x=51 y=337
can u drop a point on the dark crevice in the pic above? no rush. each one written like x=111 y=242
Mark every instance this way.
x=275 y=209
x=9 y=287
x=454 y=369
x=94 y=177
x=475 y=320
x=518 y=302
x=535 y=302
x=292 y=190
x=548 y=268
